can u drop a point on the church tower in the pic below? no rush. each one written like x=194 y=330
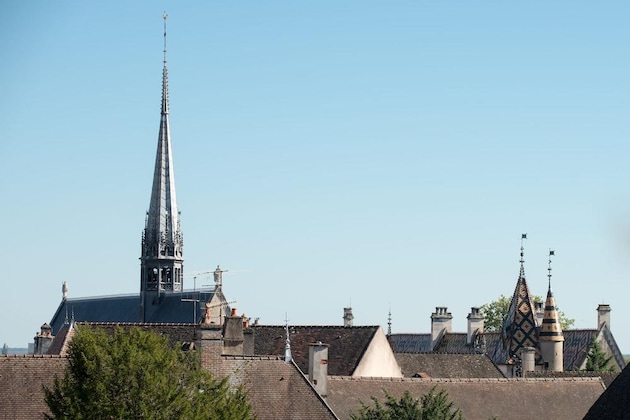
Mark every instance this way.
x=162 y=242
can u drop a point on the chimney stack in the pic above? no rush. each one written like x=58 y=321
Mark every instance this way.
x=539 y=312
x=347 y=317
x=475 y=324
x=528 y=359
x=233 y=334
x=318 y=367
x=603 y=315
x=440 y=323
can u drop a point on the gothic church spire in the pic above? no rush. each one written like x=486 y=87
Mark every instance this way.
x=162 y=241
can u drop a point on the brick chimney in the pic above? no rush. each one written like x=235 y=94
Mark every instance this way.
x=318 y=367
x=475 y=324
x=603 y=315
x=441 y=321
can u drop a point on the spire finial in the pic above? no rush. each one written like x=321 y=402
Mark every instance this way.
x=389 y=322
x=522 y=260
x=551 y=253
x=287 y=346
x=164 y=16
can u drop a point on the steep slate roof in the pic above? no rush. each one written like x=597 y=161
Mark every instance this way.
x=277 y=390
x=614 y=403
x=22 y=378
x=576 y=345
x=477 y=398
x=126 y=308
x=436 y=365
x=347 y=344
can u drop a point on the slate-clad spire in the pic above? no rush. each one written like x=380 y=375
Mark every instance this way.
x=162 y=242
x=519 y=326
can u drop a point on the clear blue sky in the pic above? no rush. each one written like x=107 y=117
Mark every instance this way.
x=326 y=153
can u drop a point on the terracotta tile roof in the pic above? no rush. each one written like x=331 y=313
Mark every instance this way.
x=614 y=403
x=478 y=398
x=347 y=344
x=277 y=390
x=22 y=377
x=436 y=365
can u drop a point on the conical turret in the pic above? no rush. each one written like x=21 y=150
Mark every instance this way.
x=519 y=326
x=551 y=337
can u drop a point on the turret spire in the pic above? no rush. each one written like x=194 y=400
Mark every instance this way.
x=551 y=336
x=519 y=326
x=162 y=241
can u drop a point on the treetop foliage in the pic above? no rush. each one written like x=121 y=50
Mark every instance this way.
x=495 y=312
x=135 y=374
x=431 y=406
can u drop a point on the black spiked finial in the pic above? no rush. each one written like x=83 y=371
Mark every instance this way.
x=551 y=253
x=389 y=322
x=522 y=260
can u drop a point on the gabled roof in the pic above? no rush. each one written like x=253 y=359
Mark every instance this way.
x=576 y=345
x=23 y=377
x=347 y=344
x=276 y=389
x=512 y=399
x=435 y=365
x=126 y=308
x=614 y=403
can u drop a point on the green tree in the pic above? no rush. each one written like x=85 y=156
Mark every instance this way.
x=431 y=406
x=136 y=374
x=596 y=359
x=496 y=311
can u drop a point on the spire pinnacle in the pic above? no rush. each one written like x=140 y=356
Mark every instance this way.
x=522 y=260
x=287 y=346
x=164 y=16
x=551 y=253
x=389 y=322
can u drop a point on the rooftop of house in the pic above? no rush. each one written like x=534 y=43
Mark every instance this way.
x=434 y=365
x=347 y=344
x=614 y=403
x=477 y=398
x=23 y=377
x=576 y=345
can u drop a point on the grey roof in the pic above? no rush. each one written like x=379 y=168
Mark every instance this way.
x=614 y=403
x=126 y=308
x=512 y=399
x=576 y=345
x=437 y=365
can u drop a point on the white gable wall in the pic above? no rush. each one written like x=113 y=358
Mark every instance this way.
x=378 y=360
